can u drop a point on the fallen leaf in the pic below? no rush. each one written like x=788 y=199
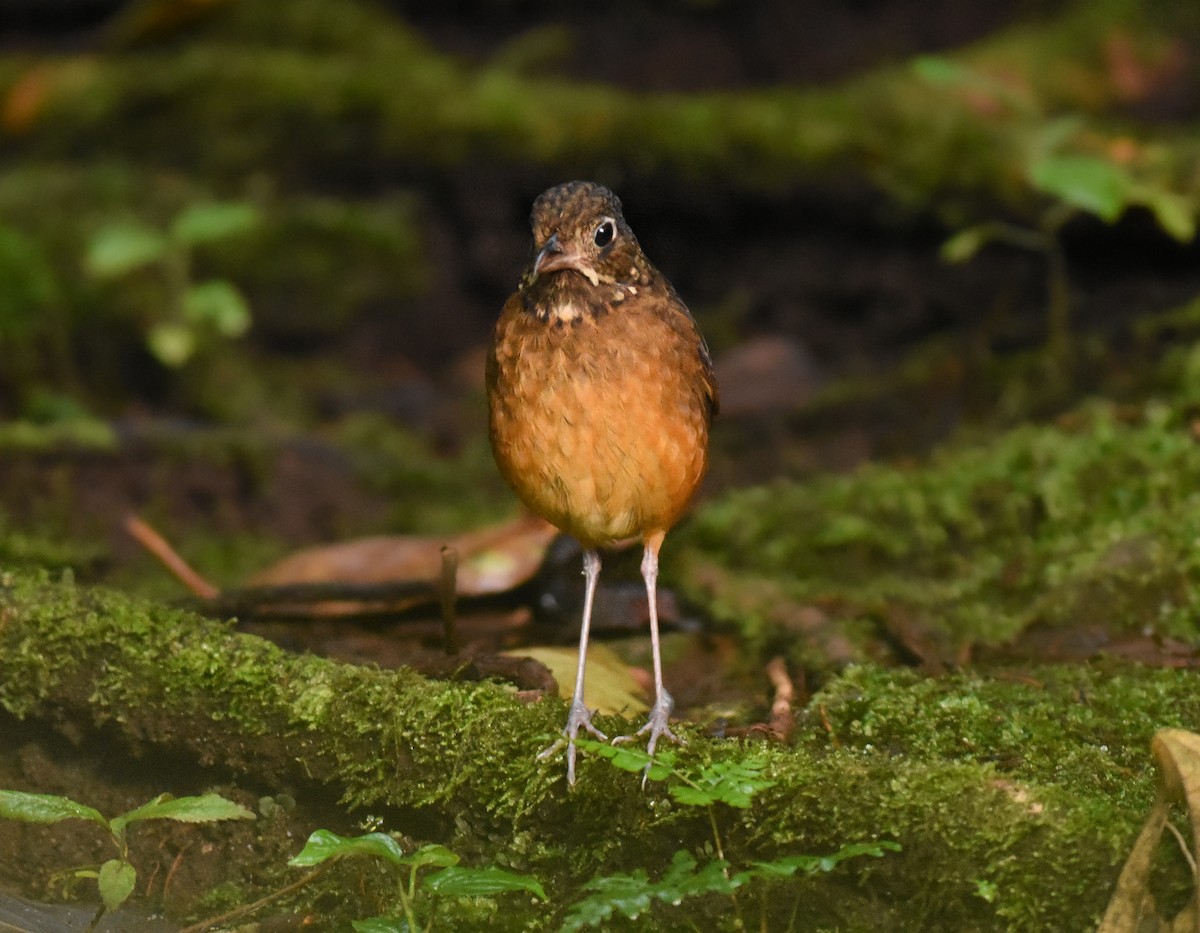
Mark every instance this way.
x=490 y=560
x=609 y=686
x=1133 y=907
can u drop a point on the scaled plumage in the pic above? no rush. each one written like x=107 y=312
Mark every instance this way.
x=600 y=392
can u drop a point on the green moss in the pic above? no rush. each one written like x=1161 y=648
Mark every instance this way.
x=253 y=82
x=1091 y=520
x=980 y=780
x=1067 y=746
x=31 y=552
x=1035 y=786
x=83 y=434
x=1085 y=729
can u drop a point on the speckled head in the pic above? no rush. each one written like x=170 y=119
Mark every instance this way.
x=579 y=226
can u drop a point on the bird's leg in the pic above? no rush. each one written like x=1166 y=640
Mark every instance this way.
x=660 y=714
x=580 y=715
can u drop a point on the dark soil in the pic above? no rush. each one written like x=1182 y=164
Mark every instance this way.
x=176 y=863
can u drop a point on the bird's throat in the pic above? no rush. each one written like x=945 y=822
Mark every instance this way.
x=566 y=299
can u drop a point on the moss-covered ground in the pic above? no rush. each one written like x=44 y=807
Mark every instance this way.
x=963 y=618
x=1014 y=790
x=1091 y=520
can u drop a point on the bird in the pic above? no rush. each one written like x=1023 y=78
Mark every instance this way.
x=601 y=394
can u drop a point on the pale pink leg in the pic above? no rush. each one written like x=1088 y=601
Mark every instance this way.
x=660 y=714
x=580 y=715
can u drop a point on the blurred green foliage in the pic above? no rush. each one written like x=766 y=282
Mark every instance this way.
x=186 y=315
x=104 y=261
x=310 y=110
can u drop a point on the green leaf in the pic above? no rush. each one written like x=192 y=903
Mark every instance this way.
x=215 y=220
x=1089 y=183
x=116 y=879
x=219 y=304
x=1054 y=133
x=729 y=782
x=380 y=925
x=432 y=854
x=811 y=864
x=120 y=248
x=173 y=344
x=459 y=881
x=323 y=845
x=631 y=895
x=632 y=758
x=627 y=895
x=45 y=808
x=210 y=808
x=966 y=243
x=1175 y=213
x=682 y=880
x=938 y=70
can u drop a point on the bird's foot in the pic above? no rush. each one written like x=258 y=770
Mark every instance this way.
x=579 y=717
x=658 y=727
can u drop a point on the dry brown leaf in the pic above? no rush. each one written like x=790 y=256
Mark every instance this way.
x=1133 y=908
x=490 y=560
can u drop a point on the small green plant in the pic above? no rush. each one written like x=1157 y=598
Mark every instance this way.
x=1071 y=161
x=450 y=879
x=116 y=877
x=193 y=312
x=732 y=783
x=1077 y=168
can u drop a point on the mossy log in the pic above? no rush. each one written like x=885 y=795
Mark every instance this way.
x=1014 y=800
x=357 y=85
x=1089 y=522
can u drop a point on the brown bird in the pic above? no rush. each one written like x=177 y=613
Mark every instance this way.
x=600 y=395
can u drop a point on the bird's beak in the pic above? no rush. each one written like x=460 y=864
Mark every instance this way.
x=553 y=257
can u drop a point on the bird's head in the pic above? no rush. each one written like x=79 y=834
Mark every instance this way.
x=578 y=227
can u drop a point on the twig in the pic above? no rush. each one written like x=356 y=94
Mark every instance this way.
x=1183 y=847
x=301 y=599
x=157 y=545
x=782 y=721
x=262 y=901
x=449 y=594
x=175 y=863
x=833 y=739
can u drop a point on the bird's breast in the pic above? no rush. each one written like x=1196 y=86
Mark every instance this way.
x=598 y=421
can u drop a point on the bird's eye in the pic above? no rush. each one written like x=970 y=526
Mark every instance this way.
x=604 y=233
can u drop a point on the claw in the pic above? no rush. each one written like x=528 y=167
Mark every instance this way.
x=579 y=716
x=658 y=727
